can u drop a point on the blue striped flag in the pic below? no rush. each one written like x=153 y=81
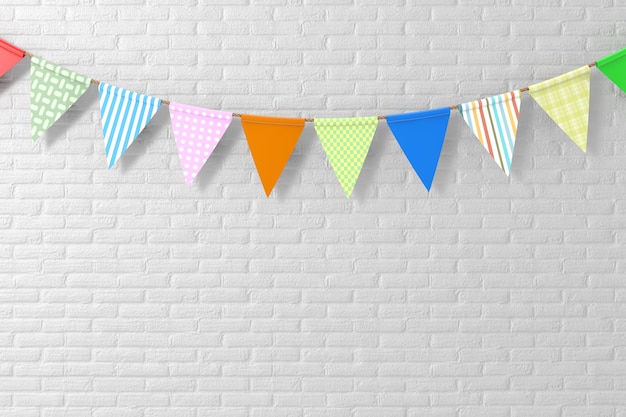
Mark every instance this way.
x=494 y=122
x=124 y=115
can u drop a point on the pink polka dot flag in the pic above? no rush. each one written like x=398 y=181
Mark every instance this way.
x=197 y=132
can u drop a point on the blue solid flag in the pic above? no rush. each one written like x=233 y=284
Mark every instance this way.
x=421 y=136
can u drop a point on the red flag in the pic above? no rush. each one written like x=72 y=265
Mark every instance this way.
x=9 y=56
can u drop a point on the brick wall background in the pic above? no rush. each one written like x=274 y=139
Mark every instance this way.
x=125 y=294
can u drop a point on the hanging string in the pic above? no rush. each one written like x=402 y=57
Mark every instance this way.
x=310 y=119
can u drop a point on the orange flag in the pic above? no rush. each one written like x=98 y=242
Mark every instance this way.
x=271 y=141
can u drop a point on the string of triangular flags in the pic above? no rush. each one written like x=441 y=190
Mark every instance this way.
x=346 y=141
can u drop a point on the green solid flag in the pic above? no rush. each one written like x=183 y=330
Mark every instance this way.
x=614 y=67
x=346 y=143
x=53 y=90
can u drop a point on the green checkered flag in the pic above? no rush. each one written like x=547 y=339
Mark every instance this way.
x=346 y=143
x=566 y=100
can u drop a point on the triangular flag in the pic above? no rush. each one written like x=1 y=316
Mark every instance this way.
x=494 y=122
x=53 y=90
x=197 y=132
x=271 y=141
x=9 y=56
x=124 y=115
x=421 y=136
x=346 y=143
x=614 y=67
x=566 y=100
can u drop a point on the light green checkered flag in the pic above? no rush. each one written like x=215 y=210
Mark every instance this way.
x=346 y=143
x=566 y=100
x=53 y=90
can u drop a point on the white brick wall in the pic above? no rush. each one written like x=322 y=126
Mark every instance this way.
x=125 y=294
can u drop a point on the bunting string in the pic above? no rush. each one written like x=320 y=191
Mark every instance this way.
x=271 y=140
x=311 y=119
